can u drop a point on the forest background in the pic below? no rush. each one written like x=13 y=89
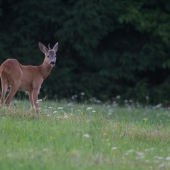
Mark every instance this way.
x=107 y=49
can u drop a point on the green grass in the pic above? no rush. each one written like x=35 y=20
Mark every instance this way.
x=120 y=137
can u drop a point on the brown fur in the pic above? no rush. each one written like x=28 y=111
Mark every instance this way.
x=26 y=78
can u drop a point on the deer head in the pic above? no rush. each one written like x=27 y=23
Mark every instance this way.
x=50 y=54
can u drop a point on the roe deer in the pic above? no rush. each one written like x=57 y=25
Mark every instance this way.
x=26 y=78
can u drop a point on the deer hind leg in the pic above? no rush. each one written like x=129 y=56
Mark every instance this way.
x=4 y=86
x=12 y=92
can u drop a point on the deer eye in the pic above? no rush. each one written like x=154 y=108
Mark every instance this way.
x=48 y=56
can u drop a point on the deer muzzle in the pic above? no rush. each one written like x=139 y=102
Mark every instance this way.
x=52 y=63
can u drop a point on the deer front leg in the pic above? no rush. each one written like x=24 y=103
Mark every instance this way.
x=30 y=94
x=35 y=98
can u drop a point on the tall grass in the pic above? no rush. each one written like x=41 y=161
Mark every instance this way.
x=78 y=136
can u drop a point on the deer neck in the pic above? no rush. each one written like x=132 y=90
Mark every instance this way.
x=44 y=69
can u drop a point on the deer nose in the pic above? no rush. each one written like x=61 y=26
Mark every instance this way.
x=52 y=63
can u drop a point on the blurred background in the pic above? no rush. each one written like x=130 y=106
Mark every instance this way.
x=107 y=49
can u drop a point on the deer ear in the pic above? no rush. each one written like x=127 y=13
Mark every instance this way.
x=55 y=48
x=43 y=48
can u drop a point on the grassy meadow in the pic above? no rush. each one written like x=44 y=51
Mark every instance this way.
x=84 y=136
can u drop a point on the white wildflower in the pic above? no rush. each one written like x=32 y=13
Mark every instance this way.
x=168 y=158
x=82 y=93
x=58 y=117
x=114 y=148
x=161 y=165
x=86 y=135
x=55 y=111
x=130 y=150
x=60 y=108
x=45 y=149
x=158 y=157
x=9 y=154
x=98 y=101
x=140 y=153
x=114 y=103
x=65 y=116
x=89 y=108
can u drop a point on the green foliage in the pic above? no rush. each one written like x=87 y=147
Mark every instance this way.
x=106 y=48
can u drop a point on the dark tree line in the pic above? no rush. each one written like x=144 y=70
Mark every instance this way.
x=106 y=48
